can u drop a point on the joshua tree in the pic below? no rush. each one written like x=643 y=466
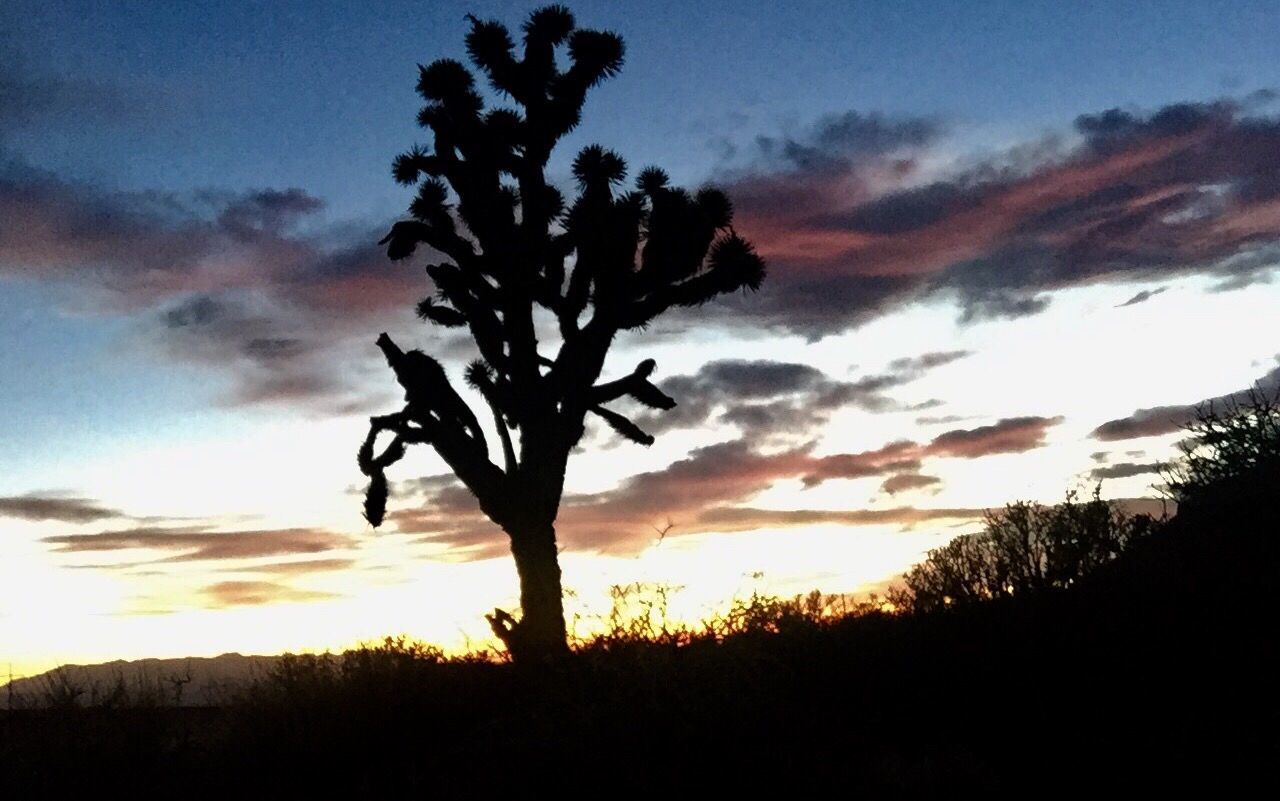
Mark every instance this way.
x=611 y=260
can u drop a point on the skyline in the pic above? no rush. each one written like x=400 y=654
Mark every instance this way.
x=973 y=297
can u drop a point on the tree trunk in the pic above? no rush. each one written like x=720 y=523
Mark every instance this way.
x=540 y=633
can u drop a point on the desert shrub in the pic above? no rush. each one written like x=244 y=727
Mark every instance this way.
x=1023 y=548
x=1230 y=443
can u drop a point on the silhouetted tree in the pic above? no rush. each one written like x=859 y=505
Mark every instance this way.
x=1230 y=445
x=608 y=261
x=1023 y=548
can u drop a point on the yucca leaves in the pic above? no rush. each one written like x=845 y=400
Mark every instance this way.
x=375 y=499
x=429 y=311
x=735 y=264
x=595 y=166
x=623 y=426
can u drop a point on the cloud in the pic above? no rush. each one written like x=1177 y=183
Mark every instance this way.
x=747 y=519
x=1142 y=297
x=903 y=482
x=839 y=141
x=695 y=495
x=1159 y=420
x=946 y=419
x=765 y=398
x=39 y=507
x=926 y=361
x=620 y=518
x=1191 y=187
x=1010 y=435
x=1124 y=470
x=702 y=491
x=296 y=568
x=197 y=311
x=1145 y=423
x=199 y=543
x=900 y=456
x=250 y=283
x=266 y=211
x=255 y=593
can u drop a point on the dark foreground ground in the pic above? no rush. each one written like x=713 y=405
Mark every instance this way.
x=1160 y=673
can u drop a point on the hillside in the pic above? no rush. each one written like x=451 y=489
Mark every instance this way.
x=186 y=681
x=1157 y=672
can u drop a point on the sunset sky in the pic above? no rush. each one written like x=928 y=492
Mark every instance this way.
x=1010 y=246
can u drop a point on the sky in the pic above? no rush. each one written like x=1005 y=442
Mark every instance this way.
x=1010 y=246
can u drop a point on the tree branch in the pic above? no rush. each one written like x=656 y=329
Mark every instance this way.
x=636 y=385
x=404 y=237
x=480 y=377
x=446 y=422
x=623 y=426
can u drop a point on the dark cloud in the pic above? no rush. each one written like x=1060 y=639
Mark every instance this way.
x=757 y=395
x=746 y=380
x=1124 y=470
x=715 y=475
x=231 y=281
x=1010 y=435
x=903 y=482
x=1001 y=306
x=1146 y=423
x=903 y=211
x=932 y=403
x=946 y=419
x=271 y=349
x=196 y=311
x=703 y=491
x=41 y=507
x=1192 y=187
x=901 y=456
x=698 y=494
x=274 y=356
x=1168 y=419
x=1116 y=130
x=622 y=518
x=265 y=212
x=767 y=397
x=256 y=593
x=199 y=543
x=838 y=141
x=926 y=361
x=1142 y=297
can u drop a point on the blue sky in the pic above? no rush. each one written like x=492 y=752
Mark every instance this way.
x=239 y=95
x=190 y=193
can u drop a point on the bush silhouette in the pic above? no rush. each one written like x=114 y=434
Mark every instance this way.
x=1023 y=548
x=1231 y=446
x=605 y=262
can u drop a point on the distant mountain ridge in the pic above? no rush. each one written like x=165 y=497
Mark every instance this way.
x=185 y=681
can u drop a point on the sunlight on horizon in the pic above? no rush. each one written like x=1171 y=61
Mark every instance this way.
x=985 y=283
x=300 y=474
